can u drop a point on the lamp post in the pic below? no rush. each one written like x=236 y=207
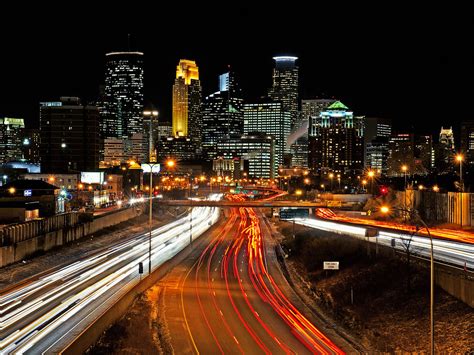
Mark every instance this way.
x=331 y=176
x=459 y=159
x=371 y=175
x=151 y=168
x=339 y=180
x=405 y=169
x=152 y=115
x=414 y=212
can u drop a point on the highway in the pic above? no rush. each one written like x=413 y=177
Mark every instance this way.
x=230 y=300
x=246 y=203
x=453 y=253
x=47 y=313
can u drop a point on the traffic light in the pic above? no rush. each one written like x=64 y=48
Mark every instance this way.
x=383 y=190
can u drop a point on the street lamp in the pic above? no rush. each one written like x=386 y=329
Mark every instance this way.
x=339 y=180
x=459 y=159
x=151 y=115
x=364 y=182
x=331 y=176
x=371 y=175
x=151 y=168
x=405 y=169
x=414 y=212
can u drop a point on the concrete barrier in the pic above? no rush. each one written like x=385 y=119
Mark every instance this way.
x=19 y=243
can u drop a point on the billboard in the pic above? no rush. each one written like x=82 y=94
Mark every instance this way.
x=92 y=177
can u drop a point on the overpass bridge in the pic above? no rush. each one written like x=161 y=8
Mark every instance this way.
x=230 y=204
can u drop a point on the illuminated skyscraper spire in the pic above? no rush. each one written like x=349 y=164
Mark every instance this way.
x=187 y=101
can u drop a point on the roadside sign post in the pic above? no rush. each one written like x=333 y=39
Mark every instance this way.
x=331 y=265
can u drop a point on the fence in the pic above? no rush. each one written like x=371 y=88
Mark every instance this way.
x=16 y=233
x=440 y=207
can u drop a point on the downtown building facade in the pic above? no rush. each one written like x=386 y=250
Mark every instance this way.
x=377 y=135
x=286 y=85
x=121 y=108
x=272 y=119
x=222 y=115
x=445 y=151
x=416 y=152
x=298 y=140
x=336 y=141
x=69 y=133
x=257 y=149
x=122 y=112
x=186 y=120
x=11 y=139
x=467 y=141
x=31 y=145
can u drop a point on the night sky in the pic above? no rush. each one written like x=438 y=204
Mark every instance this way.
x=411 y=64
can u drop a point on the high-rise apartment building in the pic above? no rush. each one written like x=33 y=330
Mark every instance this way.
x=122 y=109
x=69 y=134
x=336 y=141
x=11 y=139
x=272 y=119
x=286 y=84
x=187 y=102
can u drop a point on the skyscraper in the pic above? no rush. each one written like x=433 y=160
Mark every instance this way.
x=285 y=85
x=269 y=118
x=377 y=135
x=222 y=115
x=467 y=141
x=187 y=101
x=402 y=153
x=31 y=145
x=336 y=141
x=424 y=154
x=11 y=139
x=298 y=140
x=257 y=148
x=122 y=111
x=69 y=134
x=445 y=150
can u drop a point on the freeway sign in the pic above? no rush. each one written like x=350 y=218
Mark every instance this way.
x=292 y=213
x=331 y=265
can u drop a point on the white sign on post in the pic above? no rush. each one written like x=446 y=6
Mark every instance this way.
x=331 y=265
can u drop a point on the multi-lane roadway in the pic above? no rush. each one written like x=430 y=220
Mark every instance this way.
x=233 y=299
x=48 y=312
x=446 y=251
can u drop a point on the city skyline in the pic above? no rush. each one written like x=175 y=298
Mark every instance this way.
x=408 y=79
